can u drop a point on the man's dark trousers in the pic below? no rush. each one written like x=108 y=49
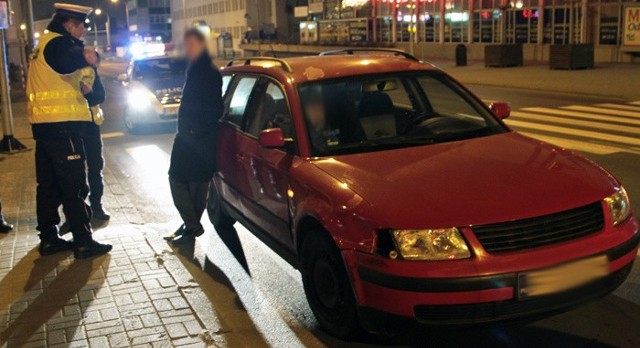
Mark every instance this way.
x=190 y=198
x=62 y=179
x=95 y=163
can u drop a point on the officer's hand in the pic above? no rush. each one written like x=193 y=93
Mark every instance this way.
x=91 y=56
x=86 y=89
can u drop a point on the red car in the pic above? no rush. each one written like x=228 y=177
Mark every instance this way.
x=397 y=193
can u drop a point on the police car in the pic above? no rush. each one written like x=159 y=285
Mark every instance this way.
x=154 y=88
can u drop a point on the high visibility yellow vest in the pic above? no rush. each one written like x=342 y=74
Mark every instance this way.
x=54 y=97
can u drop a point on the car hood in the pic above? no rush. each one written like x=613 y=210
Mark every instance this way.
x=484 y=180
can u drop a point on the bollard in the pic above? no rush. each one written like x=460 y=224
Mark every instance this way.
x=461 y=55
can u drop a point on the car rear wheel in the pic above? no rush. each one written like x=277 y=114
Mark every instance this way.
x=327 y=285
x=218 y=217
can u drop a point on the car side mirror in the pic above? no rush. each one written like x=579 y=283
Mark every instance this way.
x=123 y=77
x=502 y=110
x=272 y=138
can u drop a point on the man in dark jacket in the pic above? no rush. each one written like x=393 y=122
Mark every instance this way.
x=193 y=156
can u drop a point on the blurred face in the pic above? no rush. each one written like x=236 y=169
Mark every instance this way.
x=194 y=48
x=314 y=110
x=76 y=29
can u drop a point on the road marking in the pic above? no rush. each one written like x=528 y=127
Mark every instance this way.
x=112 y=135
x=577 y=145
x=596 y=125
x=603 y=111
x=583 y=115
x=621 y=106
x=634 y=141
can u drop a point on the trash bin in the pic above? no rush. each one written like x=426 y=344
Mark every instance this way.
x=461 y=55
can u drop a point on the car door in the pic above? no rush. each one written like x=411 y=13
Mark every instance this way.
x=231 y=154
x=268 y=169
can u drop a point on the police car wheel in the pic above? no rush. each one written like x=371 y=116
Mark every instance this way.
x=130 y=125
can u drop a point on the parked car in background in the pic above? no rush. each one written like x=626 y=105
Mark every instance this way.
x=398 y=194
x=154 y=89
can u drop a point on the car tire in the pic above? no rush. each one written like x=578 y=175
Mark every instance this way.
x=132 y=127
x=218 y=217
x=327 y=285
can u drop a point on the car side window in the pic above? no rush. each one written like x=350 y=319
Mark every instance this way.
x=271 y=111
x=239 y=100
x=226 y=80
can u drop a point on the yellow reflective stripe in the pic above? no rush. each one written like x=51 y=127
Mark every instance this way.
x=54 y=95
x=60 y=109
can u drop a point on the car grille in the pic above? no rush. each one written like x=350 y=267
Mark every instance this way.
x=541 y=231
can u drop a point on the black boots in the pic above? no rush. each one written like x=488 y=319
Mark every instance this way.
x=5 y=227
x=85 y=247
x=54 y=245
x=100 y=213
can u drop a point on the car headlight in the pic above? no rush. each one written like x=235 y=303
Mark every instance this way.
x=619 y=206
x=139 y=99
x=438 y=244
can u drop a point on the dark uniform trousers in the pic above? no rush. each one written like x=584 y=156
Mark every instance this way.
x=95 y=163
x=62 y=179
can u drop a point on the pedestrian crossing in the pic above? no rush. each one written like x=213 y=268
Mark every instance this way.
x=599 y=128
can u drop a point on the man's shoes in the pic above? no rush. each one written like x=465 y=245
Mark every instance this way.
x=175 y=234
x=100 y=213
x=89 y=249
x=5 y=227
x=186 y=238
x=54 y=246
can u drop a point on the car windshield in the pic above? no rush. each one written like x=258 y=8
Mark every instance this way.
x=373 y=113
x=160 y=68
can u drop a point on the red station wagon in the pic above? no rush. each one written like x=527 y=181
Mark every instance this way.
x=397 y=193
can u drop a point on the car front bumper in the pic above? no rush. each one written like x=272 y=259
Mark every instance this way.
x=479 y=298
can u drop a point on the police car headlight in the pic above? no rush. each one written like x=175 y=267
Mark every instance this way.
x=139 y=99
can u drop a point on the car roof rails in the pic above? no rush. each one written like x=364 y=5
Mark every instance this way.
x=247 y=61
x=352 y=51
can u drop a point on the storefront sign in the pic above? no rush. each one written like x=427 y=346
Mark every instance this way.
x=301 y=11
x=631 y=33
x=358 y=32
x=317 y=7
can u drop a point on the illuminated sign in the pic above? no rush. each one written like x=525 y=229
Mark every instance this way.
x=631 y=33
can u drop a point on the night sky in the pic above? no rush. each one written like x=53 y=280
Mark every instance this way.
x=43 y=9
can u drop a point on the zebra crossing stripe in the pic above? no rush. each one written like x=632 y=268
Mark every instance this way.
x=603 y=111
x=575 y=122
x=583 y=115
x=621 y=107
x=578 y=145
x=633 y=141
x=635 y=102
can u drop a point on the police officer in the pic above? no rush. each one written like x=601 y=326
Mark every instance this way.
x=58 y=112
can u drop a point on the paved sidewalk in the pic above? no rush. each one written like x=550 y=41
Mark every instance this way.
x=605 y=80
x=130 y=298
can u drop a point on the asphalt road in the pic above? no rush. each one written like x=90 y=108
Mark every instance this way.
x=262 y=296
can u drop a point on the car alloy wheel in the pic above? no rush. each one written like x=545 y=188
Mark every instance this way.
x=327 y=285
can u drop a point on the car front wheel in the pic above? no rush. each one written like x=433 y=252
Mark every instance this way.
x=327 y=285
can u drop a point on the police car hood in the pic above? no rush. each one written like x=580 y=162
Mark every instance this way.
x=163 y=87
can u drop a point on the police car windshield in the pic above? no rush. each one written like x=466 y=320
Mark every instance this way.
x=160 y=68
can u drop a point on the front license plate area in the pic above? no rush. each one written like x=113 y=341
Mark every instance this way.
x=562 y=278
x=170 y=111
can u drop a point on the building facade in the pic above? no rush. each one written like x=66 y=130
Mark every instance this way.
x=233 y=17
x=150 y=20
x=534 y=23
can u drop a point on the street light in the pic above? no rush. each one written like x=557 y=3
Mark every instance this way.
x=99 y=12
